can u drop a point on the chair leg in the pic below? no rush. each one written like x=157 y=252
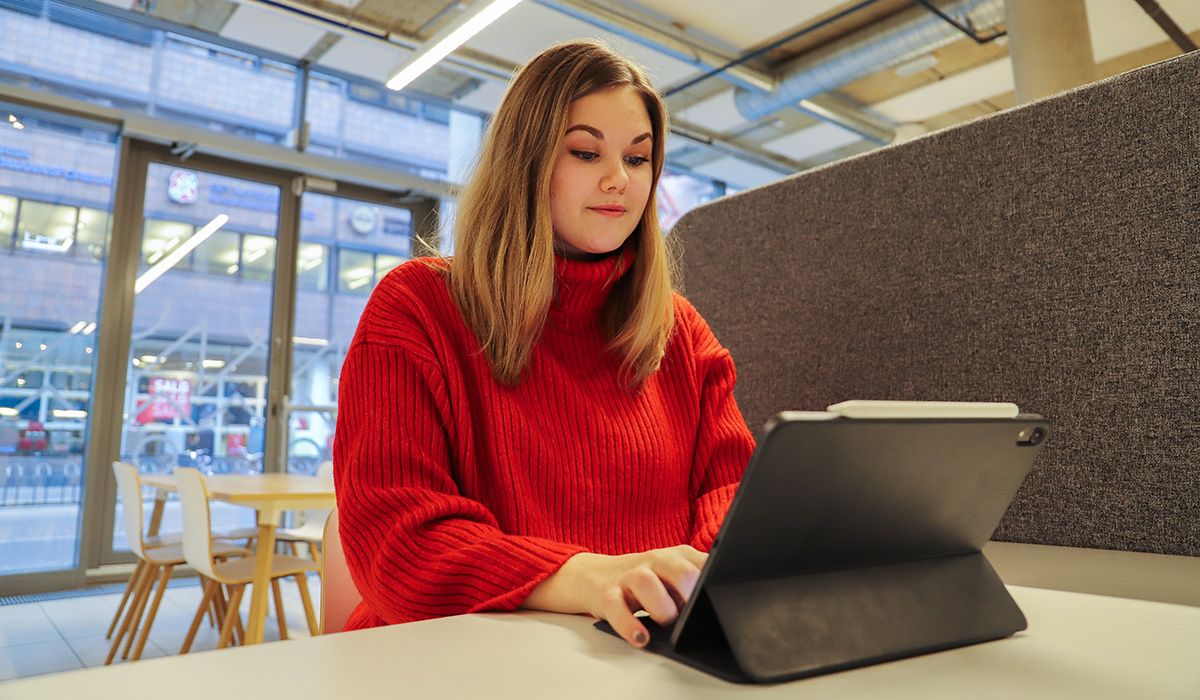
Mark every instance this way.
x=129 y=588
x=302 y=582
x=279 y=609
x=138 y=608
x=163 y=580
x=235 y=601
x=211 y=588
x=128 y=625
x=239 y=632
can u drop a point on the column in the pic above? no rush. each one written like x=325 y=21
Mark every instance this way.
x=1051 y=46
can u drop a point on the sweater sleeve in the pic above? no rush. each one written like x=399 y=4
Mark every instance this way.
x=415 y=547
x=723 y=442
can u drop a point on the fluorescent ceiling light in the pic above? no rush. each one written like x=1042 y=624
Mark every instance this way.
x=6 y=411
x=78 y=327
x=448 y=39
x=67 y=413
x=300 y=340
x=176 y=255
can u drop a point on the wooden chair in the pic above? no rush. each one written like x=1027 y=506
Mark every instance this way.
x=157 y=558
x=339 y=596
x=235 y=574
x=249 y=534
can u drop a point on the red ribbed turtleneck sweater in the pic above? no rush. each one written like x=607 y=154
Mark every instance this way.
x=459 y=494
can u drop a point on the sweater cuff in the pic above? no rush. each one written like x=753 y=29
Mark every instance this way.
x=542 y=558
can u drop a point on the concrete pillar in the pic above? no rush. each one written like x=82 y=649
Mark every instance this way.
x=1051 y=46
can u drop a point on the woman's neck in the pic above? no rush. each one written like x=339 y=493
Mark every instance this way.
x=570 y=252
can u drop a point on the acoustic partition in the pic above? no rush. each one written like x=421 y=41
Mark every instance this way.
x=1047 y=255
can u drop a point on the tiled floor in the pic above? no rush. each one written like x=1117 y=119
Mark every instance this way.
x=60 y=635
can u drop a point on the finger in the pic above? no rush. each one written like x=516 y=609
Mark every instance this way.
x=693 y=555
x=679 y=571
x=652 y=595
x=617 y=612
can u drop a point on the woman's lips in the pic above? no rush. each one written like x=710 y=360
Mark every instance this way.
x=613 y=211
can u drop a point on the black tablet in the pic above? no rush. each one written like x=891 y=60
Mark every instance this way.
x=853 y=541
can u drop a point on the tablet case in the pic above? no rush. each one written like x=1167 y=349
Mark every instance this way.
x=851 y=542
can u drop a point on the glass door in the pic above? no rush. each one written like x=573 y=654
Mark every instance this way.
x=205 y=342
x=56 y=193
x=348 y=242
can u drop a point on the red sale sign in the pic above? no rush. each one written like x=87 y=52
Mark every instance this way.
x=169 y=399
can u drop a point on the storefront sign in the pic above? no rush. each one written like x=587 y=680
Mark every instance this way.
x=364 y=218
x=169 y=399
x=18 y=159
x=183 y=187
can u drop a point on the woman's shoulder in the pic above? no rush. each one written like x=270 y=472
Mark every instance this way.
x=690 y=327
x=686 y=315
x=413 y=295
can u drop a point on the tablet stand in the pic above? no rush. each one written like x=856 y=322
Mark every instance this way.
x=812 y=623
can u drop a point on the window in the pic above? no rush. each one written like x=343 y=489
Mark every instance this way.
x=312 y=266
x=91 y=233
x=258 y=257
x=355 y=271
x=45 y=227
x=8 y=219
x=219 y=254
x=161 y=237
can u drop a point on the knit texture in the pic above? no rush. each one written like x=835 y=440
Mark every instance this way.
x=458 y=494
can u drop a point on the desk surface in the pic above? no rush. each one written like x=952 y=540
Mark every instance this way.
x=1077 y=646
x=254 y=487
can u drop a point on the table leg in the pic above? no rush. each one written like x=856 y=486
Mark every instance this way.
x=156 y=514
x=265 y=553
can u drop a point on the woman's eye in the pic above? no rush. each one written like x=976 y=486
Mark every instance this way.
x=584 y=155
x=637 y=160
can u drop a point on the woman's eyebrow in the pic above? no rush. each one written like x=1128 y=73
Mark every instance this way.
x=590 y=129
x=600 y=134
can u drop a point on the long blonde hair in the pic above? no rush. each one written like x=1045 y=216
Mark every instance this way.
x=502 y=272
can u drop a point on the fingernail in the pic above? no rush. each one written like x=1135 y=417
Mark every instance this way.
x=640 y=638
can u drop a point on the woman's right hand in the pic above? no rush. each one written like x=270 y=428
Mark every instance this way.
x=614 y=587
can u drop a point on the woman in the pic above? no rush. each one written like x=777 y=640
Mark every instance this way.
x=541 y=422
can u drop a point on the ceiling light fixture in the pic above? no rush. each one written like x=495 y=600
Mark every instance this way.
x=448 y=39
x=176 y=255
x=916 y=65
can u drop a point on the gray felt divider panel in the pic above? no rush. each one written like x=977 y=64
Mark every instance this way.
x=1047 y=255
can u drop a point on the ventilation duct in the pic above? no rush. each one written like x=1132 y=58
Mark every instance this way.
x=899 y=38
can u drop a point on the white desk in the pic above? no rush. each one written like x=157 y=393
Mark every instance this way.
x=1077 y=646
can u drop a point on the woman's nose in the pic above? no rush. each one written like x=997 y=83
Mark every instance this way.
x=615 y=178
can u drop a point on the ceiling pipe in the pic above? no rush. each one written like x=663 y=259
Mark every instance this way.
x=672 y=41
x=890 y=42
x=1168 y=25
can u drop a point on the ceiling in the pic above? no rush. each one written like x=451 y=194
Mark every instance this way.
x=859 y=89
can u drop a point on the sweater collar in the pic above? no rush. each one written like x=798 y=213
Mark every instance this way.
x=582 y=286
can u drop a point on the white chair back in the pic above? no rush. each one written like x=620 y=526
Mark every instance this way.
x=129 y=486
x=197 y=525
x=339 y=596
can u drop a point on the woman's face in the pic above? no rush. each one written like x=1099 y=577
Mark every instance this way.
x=602 y=174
